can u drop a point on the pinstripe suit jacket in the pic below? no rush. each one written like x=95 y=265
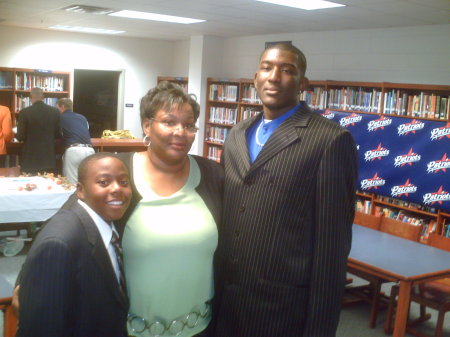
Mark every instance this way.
x=68 y=284
x=286 y=230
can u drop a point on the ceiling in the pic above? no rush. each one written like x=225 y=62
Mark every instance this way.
x=227 y=18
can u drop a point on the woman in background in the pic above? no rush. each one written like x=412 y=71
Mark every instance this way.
x=171 y=225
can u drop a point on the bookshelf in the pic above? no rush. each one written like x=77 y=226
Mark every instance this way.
x=229 y=101
x=16 y=84
x=432 y=219
x=181 y=81
x=420 y=101
x=232 y=100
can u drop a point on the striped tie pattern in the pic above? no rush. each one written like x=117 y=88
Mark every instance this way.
x=116 y=244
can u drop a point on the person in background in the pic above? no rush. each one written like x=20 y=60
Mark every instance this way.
x=77 y=141
x=6 y=133
x=38 y=128
x=171 y=226
x=71 y=283
x=290 y=177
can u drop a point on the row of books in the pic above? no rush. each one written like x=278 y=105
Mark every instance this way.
x=247 y=112
x=217 y=134
x=408 y=204
x=6 y=80
x=354 y=99
x=316 y=99
x=222 y=115
x=249 y=95
x=363 y=206
x=421 y=105
x=223 y=92
x=26 y=81
x=214 y=153
x=24 y=102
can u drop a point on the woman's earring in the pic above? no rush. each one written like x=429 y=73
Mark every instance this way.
x=146 y=141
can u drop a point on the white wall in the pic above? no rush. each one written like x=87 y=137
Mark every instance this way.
x=141 y=60
x=404 y=55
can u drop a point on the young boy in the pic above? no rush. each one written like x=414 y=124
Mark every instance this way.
x=71 y=283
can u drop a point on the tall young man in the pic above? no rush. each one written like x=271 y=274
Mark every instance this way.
x=290 y=179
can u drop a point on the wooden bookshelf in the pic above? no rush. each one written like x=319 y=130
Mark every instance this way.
x=377 y=98
x=420 y=101
x=16 y=85
x=229 y=101
x=181 y=81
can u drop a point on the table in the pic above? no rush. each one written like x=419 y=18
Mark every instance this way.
x=18 y=205
x=397 y=260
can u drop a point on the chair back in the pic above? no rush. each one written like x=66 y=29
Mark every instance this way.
x=367 y=220
x=10 y=171
x=439 y=241
x=400 y=229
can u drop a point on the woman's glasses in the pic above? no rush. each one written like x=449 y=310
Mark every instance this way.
x=171 y=126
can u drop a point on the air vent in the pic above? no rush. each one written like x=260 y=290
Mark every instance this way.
x=88 y=9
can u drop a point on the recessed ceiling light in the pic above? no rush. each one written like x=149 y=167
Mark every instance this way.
x=88 y=9
x=155 y=17
x=87 y=29
x=304 y=4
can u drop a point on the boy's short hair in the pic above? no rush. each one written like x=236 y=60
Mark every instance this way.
x=301 y=58
x=83 y=167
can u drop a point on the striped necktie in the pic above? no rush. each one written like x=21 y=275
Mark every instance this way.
x=118 y=249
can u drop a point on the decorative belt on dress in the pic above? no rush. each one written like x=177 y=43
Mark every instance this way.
x=80 y=145
x=159 y=328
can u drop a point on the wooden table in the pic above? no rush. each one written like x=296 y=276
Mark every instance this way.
x=397 y=260
x=118 y=145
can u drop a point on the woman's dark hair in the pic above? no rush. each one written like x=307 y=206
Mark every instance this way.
x=166 y=95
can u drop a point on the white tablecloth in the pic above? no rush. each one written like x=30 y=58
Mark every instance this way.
x=20 y=205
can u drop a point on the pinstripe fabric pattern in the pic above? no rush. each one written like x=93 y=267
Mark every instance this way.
x=286 y=230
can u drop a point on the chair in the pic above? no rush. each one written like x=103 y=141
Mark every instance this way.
x=401 y=229
x=371 y=293
x=367 y=220
x=433 y=294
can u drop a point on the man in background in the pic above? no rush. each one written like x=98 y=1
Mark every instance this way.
x=77 y=141
x=6 y=133
x=38 y=128
x=290 y=177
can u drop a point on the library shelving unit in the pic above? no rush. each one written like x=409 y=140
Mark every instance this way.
x=432 y=219
x=181 y=81
x=228 y=102
x=420 y=101
x=16 y=84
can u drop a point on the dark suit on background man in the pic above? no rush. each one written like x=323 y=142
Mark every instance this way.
x=69 y=273
x=38 y=127
x=286 y=230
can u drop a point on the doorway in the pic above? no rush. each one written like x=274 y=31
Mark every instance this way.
x=95 y=95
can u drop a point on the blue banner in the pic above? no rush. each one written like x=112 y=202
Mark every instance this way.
x=400 y=157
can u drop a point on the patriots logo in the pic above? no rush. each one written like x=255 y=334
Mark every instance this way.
x=437 y=165
x=374 y=182
x=377 y=153
x=439 y=197
x=439 y=133
x=379 y=123
x=406 y=188
x=407 y=158
x=405 y=129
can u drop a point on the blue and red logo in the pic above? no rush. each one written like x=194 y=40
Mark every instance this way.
x=377 y=153
x=379 y=123
x=374 y=182
x=440 y=196
x=405 y=189
x=350 y=120
x=437 y=165
x=439 y=133
x=407 y=158
x=413 y=126
x=327 y=114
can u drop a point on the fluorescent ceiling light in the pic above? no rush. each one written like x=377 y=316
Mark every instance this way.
x=155 y=17
x=304 y=4
x=87 y=29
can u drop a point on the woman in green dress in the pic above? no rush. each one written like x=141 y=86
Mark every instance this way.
x=171 y=230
